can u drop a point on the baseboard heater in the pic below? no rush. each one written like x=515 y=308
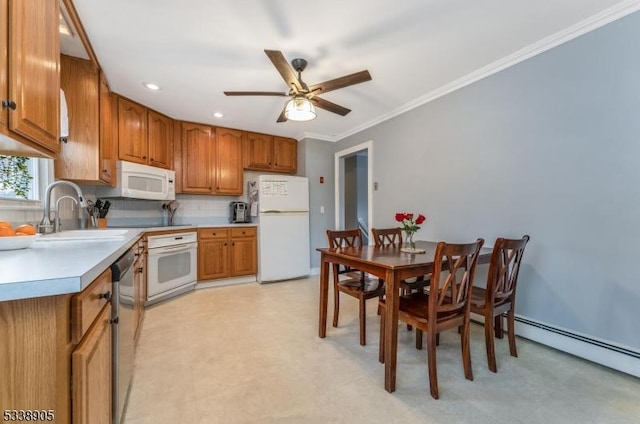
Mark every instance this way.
x=606 y=353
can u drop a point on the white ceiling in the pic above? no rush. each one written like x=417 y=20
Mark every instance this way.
x=415 y=50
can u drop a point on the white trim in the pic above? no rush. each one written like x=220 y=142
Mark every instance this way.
x=205 y=284
x=368 y=146
x=585 y=26
x=592 y=352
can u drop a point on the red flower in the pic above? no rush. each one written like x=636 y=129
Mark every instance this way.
x=409 y=225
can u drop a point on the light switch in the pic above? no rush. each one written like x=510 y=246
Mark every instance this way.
x=321 y=209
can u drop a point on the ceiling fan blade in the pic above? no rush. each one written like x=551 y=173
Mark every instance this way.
x=282 y=118
x=286 y=71
x=331 y=107
x=341 y=82
x=255 y=93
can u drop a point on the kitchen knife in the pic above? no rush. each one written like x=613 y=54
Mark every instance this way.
x=105 y=209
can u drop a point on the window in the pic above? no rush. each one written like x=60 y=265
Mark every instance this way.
x=23 y=178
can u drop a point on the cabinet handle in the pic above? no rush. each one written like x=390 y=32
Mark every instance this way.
x=9 y=103
x=140 y=269
x=233 y=244
x=151 y=159
x=104 y=171
x=225 y=244
x=106 y=296
x=144 y=157
x=114 y=321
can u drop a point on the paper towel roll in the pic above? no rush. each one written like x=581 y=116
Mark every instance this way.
x=64 y=116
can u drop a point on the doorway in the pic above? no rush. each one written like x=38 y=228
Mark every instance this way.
x=354 y=189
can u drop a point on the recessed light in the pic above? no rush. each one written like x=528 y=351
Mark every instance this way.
x=152 y=86
x=218 y=115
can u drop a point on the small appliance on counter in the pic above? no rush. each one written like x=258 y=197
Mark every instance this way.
x=239 y=213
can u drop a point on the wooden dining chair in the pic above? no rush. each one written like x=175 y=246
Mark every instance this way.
x=445 y=306
x=353 y=282
x=499 y=296
x=389 y=236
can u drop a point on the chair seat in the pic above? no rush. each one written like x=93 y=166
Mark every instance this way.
x=370 y=287
x=411 y=284
x=478 y=297
x=479 y=300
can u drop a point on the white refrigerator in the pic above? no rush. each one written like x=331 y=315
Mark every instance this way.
x=281 y=206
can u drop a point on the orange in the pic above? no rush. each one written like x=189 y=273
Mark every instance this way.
x=5 y=224
x=26 y=229
x=7 y=232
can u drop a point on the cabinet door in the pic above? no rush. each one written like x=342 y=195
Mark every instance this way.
x=197 y=147
x=229 y=177
x=108 y=133
x=78 y=159
x=132 y=131
x=160 y=140
x=244 y=259
x=213 y=259
x=4 y=68
x=258 y=151
x=285 y=155
x=34 y=74
x=91 y=373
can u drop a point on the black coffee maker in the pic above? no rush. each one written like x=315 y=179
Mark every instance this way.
x=239 y=213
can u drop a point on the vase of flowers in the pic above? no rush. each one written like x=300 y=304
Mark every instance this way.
x=410 y=226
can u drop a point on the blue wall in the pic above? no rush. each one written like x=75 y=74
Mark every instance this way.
x=549 y=147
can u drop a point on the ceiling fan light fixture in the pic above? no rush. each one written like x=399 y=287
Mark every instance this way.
x=299 y=109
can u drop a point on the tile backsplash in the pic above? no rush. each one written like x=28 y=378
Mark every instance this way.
x=193 y=210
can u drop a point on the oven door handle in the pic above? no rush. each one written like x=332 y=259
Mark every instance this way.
x=171 y=249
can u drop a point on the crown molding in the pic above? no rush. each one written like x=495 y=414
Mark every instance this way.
x=585 y=26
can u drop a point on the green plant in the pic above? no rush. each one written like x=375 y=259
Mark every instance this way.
x=14 y=175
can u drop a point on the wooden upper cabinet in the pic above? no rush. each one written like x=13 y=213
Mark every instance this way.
x=263 y=152
x=160 y=139
x=228 y=170
x=258 y=151
x=4 y=64
x=108 y=133
x=30 y=86
x=89 y=154
x=285 y=155
x=210 y=160
x=197 y=158
x=132 y=132
x=78 y=159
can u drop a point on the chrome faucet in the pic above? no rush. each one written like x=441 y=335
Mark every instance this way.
x=45 y=225
x=56 y=222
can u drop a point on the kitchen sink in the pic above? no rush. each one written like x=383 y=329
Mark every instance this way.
x=97 y=234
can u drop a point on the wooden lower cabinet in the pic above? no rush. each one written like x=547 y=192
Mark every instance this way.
x=139 y=285
x=244 y=251
x=55 y=355
x=91 y=368
x=226 y=252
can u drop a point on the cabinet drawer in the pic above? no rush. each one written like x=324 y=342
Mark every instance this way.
x=243 y=232
x=86 y=305
x=213 y=233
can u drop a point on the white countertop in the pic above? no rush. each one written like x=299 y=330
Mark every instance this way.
x=61 y=267
x=48 y=268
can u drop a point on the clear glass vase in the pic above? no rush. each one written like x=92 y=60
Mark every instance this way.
x=410 y=243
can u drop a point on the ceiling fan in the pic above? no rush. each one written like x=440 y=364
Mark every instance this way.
x=303 y=97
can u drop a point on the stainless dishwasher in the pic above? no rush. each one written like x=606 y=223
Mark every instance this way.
x=123 y=333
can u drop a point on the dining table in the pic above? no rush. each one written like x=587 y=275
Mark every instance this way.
x=391 y=264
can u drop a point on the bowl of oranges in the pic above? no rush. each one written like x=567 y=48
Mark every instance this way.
x=19 y=237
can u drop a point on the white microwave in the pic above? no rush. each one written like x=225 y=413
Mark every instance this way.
x=136 y=181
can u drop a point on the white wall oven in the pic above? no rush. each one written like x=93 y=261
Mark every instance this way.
x=172 y=265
